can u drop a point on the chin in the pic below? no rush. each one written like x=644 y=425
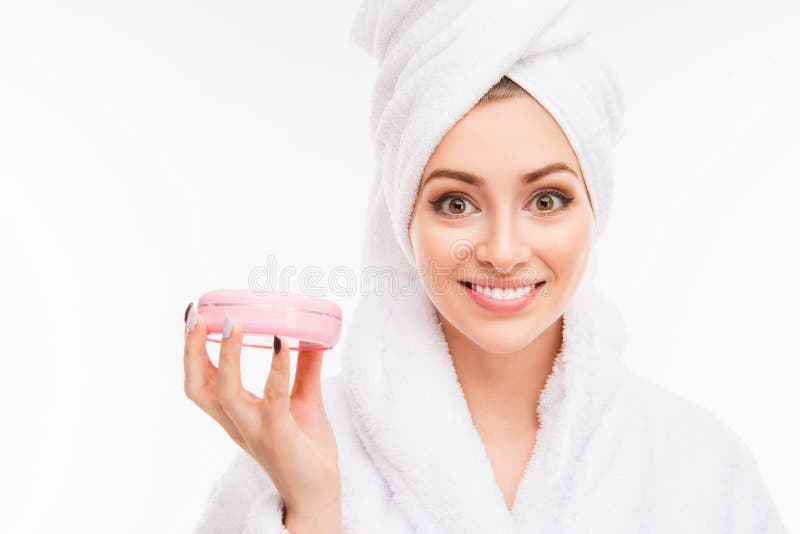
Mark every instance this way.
x=495 y=335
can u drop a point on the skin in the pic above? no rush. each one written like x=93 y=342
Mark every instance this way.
x=503 y=230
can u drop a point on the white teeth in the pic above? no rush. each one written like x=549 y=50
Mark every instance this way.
x=503 y=294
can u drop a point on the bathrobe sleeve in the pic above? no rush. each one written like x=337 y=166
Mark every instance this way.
x=242 y=501
x=752 y=508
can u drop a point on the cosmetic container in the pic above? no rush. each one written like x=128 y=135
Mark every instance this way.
x=302 y=321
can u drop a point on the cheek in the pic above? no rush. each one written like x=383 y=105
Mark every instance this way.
x=433 y=243
x=441 y=256
x=565 y=247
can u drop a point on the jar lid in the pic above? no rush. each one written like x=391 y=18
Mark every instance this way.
x=297 y=301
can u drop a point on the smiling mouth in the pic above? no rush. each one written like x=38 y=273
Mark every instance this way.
x=502 y=294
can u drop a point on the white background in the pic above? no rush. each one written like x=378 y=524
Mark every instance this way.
x=151 y=151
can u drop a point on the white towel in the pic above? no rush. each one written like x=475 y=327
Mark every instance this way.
x=436 y=58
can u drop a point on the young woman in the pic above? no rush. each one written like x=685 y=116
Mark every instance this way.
x=483 y=390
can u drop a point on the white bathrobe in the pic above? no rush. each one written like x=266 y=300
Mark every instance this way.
x=615 y=452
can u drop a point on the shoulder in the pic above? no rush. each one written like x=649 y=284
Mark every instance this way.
x=696 y=453
x=678 y=414
x=679 y=427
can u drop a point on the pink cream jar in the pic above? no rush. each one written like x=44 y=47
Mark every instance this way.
x=303 y=321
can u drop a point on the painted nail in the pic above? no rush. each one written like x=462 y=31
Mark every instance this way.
x=227 y=326
x=191 y=319
x=276 y=344
x=186 y=313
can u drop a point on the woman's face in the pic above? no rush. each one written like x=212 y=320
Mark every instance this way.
x=488 y=211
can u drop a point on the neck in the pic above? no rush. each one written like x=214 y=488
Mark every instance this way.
x=502 y=390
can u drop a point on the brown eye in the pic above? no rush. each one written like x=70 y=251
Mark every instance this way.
x=458 y=206
x=544 y=202
x=452 y=205
x=551 y=201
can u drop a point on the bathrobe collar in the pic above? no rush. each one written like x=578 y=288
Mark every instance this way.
x=411 y=415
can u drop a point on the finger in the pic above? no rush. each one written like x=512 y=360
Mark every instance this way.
x=276 y=388
x=201 y=377
x=196 y=362
x=308 y=376
x=230 y=392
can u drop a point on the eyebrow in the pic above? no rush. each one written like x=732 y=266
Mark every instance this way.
x=525 y=179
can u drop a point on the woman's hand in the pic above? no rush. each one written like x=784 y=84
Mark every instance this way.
x=288 y=434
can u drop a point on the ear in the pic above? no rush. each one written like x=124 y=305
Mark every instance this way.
x=411 y=242
x=411 y=225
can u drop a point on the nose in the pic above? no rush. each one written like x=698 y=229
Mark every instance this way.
x=503 y=247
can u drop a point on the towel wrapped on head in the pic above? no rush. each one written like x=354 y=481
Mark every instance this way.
x=437 y=58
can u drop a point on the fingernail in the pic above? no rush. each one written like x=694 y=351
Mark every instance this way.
x=186 y=313
x=276 y=344
x=191 y=320
x=227 y=326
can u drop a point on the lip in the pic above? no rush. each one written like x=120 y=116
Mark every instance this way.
x=502 y=306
